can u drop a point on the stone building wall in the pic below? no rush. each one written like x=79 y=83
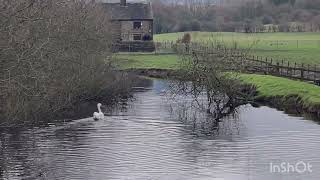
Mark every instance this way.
x=128 y=32
x=116 y=35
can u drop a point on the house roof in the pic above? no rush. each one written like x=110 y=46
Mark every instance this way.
x=132 y=11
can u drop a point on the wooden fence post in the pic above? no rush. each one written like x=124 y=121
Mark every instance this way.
x=288 y=68
x=315 y=73
x=281 y=68
x=308 y=71
x=267 y=66
x=278 y=69
x=271 y=64
x=302 y=72
x=261 y=65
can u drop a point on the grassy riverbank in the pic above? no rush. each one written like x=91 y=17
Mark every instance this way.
x=267 y=86
x=146 y=61
x=271 y=86
x=293 y=47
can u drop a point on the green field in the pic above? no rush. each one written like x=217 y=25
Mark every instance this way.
x=271 y=86
x=268 y=86
x=146 y=61
x=293 y=47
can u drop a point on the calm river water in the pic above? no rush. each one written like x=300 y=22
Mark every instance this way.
x=151 y=138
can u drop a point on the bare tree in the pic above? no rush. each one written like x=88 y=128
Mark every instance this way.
x=52 y=54
x=209 y=75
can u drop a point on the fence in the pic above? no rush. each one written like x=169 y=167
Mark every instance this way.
x=288 y=44
x=284 y=69
x=271 y=44
x=134 y=46
x=251 y=64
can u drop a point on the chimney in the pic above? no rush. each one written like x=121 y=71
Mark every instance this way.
x=123 y=2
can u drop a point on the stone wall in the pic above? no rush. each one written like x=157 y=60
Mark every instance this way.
x=127 y=30
x=116 y=35
x=123 y=33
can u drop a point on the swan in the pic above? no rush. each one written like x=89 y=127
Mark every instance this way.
x=98 y=115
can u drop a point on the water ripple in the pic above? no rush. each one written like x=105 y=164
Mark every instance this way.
x=146 y=141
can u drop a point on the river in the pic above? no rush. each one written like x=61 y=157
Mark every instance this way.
x=151 y=137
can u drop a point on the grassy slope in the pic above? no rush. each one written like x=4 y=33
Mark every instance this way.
x=295 y=47
x=268 y=86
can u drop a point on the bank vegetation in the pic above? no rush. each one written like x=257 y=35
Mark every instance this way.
x=53 y=54
x=207 y=79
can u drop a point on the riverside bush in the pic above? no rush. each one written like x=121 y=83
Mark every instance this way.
x=53 y=54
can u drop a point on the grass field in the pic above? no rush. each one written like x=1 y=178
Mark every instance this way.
x=146 y=61
x=294 y=47
x=271 y=86
x=268 y=86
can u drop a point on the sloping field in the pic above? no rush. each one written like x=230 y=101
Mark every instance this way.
x=293 y=47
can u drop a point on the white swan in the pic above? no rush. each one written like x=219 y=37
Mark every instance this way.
x=98 y=115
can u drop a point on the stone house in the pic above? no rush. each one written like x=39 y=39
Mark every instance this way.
x=132 y=25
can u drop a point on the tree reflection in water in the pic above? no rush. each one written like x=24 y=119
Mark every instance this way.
x=193 y=113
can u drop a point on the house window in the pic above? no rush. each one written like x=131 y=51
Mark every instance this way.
x=137 y=25
x=137 y=37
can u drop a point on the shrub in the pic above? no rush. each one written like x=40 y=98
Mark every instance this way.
x=186 y=38
x=53 y=54
x=147 y=37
